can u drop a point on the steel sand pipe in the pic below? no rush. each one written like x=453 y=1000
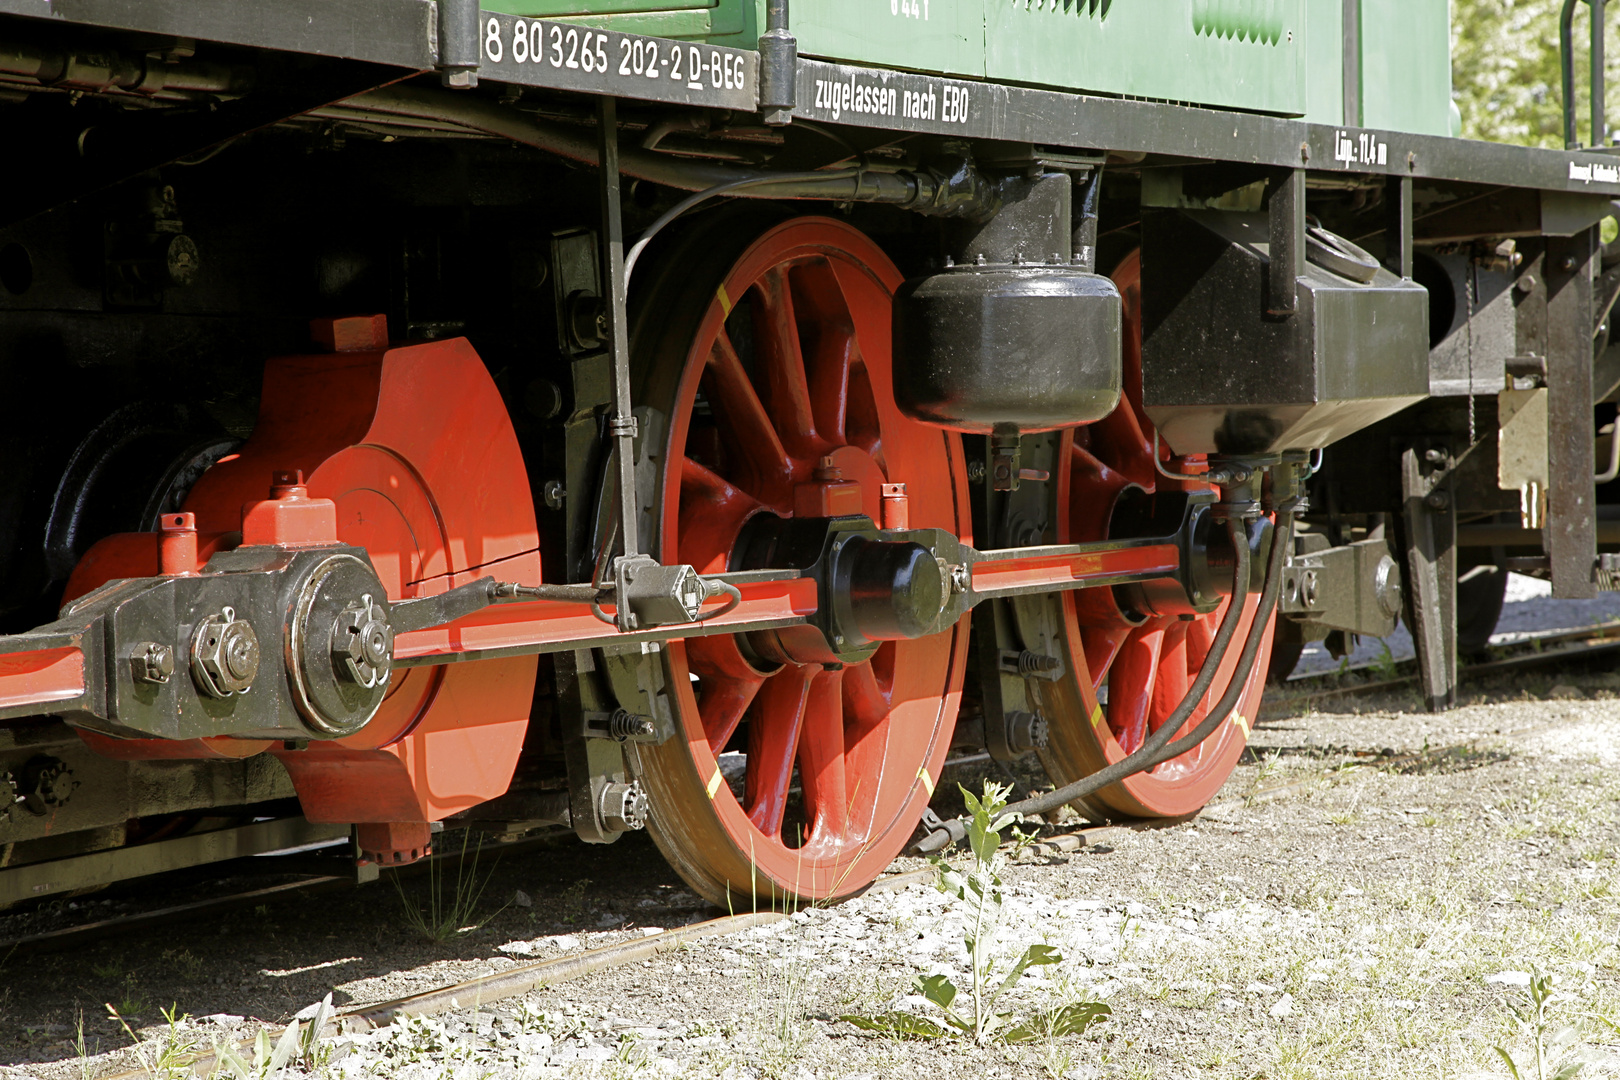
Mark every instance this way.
x=917 y=191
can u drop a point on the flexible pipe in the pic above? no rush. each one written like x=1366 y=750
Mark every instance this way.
x=1238 y=534
x=1158 y=750
x=730 y=188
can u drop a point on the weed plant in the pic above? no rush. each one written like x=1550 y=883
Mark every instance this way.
x=170 y=1058
x=1555 y=1046
x=978 y=889
x=450 y=908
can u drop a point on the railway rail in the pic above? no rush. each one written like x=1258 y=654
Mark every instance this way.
x=1533 y=651
x=1541 y=650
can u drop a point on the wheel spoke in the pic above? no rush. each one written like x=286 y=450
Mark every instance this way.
x=712 y=512
x=830 y=345
x=1094 y=483
x=1101 y=646
x=863 y=427
x=1130 y=686
x=865 y=702
x=1200 y=636
x=1170 y=680
x=722 y=706
x=821 y=760
x=773 y=743
x=781 y=364
x=744 y=424
x=1133 y=451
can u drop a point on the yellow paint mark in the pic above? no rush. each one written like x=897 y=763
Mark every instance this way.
x=715 y=781
x=1237 y=719
x=725 y=301
x=928 y=781
x=1096 y=716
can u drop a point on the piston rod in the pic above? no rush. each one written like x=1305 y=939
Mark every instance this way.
x=55 y=669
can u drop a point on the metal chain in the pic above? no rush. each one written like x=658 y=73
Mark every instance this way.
x=1468 y=290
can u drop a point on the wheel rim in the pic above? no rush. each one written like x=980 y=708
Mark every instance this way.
x=1146 y=664
x=788 y=366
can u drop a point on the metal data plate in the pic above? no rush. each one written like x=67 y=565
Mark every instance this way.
x=537 y=52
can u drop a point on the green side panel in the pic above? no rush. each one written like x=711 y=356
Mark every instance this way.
x=725 y=22
x=1241 y=54
x=1324 y=61
x=944 y=36
x=1406 y=65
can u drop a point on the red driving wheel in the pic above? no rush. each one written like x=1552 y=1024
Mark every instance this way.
x=788 y=782
x=1127 y=673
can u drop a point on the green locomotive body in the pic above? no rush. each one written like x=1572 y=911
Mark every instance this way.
x=1282 y=57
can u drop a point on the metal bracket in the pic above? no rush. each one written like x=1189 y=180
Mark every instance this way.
x=636 y=675
x=1356 y=588
x=459 y=48
x=599 y=778
x=1287 y=243
x=1571 y=533
x=1429 y=524
x=1012 y=643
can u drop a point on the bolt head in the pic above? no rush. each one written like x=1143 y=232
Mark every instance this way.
x=153 y=663
x=378 y=643
x=241 y=651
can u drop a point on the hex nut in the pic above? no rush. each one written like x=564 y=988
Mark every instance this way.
x=1387 y=586
x=224 y=655
x=363 y=644
x=624 y=806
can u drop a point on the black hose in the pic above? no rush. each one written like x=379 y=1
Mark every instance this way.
x=730 y=187
x=1166 y=749
x=1159 y=748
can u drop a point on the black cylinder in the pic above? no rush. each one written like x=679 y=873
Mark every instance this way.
x=892 y=591
x=1032 y=346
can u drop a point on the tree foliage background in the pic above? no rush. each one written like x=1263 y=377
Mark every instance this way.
x=1505 y=73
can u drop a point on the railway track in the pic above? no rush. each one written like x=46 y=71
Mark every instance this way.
x=316 y=880
x=480 y=992
x=1535 y=651
x=474 y=993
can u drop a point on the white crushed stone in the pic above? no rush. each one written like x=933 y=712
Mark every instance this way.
x=1106 y=948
